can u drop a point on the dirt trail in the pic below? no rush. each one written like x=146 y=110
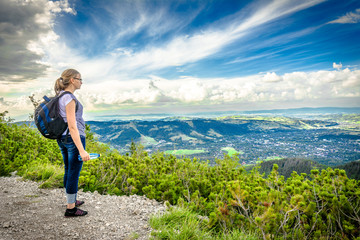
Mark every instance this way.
x=27 y=212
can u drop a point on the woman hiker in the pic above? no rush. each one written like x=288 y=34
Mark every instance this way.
x=72 y=142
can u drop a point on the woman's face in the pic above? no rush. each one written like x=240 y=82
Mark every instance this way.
x=77 y=81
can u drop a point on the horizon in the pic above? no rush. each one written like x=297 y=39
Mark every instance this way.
x=182 y=58
x=301 y=113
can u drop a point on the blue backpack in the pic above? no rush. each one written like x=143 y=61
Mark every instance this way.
x=48 y=119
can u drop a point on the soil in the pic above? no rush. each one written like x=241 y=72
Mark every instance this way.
x=28 y=212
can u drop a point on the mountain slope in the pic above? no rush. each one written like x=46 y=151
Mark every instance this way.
x=352 y=169
x=289 y=165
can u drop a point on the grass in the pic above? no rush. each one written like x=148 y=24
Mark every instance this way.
x=231 y=151
x=132 y=236
x=273 y=158
x=50 y=175
x=270 y=159
x=181 y=224
x=145 y=140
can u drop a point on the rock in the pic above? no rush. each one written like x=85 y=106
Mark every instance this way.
x=137 y=212
x=6 y=225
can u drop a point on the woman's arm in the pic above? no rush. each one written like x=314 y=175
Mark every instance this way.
x=74 y=132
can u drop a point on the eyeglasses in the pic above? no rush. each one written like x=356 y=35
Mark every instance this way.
x=80 y=79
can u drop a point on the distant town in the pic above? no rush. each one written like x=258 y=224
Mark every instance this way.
x=316 y=145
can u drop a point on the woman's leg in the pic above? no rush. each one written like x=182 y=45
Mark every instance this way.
x=64 y=154
x=71 y=177
x=72 y=173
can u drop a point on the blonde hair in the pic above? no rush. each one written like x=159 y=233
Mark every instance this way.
x=64 y=81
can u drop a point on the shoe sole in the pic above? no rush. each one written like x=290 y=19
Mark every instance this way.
x=75 y=216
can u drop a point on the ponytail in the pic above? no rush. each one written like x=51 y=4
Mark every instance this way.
x=58 y=86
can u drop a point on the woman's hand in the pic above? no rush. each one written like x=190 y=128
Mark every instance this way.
x=84 y=156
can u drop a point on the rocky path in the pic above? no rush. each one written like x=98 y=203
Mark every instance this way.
x=27 y=212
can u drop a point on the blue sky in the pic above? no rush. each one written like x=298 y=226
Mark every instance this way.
x=178 y=57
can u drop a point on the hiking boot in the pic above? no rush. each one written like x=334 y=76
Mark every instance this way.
x=75 y=212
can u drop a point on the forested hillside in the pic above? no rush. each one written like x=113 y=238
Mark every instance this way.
x=288 y=165
x=324 y=204
x=352 y=169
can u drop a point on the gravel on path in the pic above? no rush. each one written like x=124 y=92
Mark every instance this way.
x=28 y=212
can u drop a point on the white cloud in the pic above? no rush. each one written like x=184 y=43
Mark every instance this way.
x=133 y=17
x=272 y=11
x=337 y=66
x=185 y=49
x=302 y=87
x=179 y=51
x=190 y=90
x=272 y=77
x=351 y=17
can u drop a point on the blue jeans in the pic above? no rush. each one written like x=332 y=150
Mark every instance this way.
x=72 y=166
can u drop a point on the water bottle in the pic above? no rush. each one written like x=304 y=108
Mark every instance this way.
x=92 y=156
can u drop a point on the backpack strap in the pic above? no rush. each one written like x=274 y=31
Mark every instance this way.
x=67 y=134
x=76 y=108
x=46 y=98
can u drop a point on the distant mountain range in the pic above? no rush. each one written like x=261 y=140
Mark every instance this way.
x=305 y=111
x=284 y=112
x=196 y=130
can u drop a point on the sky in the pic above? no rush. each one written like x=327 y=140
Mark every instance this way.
x=181 y=57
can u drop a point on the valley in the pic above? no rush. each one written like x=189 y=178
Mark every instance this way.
x=328 y=139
